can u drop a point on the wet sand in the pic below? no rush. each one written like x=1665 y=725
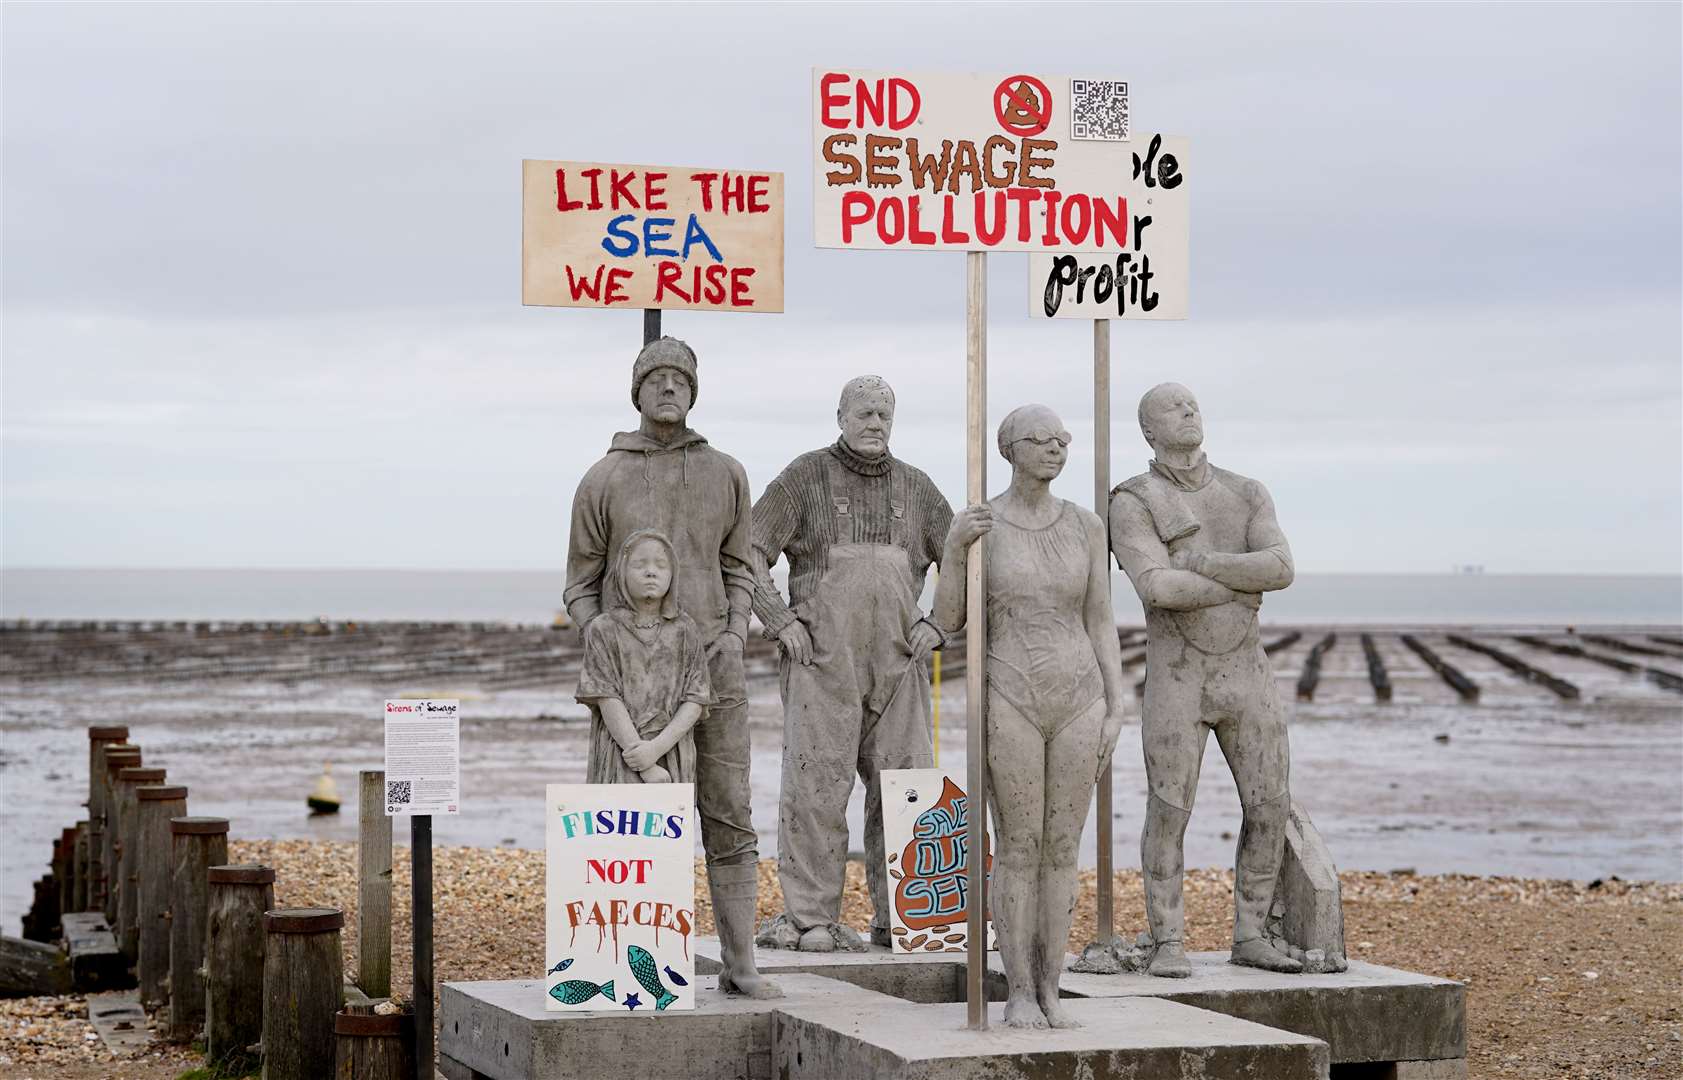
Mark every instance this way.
x=1525 y=783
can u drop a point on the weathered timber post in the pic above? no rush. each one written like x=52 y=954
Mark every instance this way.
x=64 y=869
x=154 y=872
x=117 y=758
x=374 y=886
x=303 y=987
x=234 y=945
x=372 y=1047
x=127 y=926
x=79 y=864
x=197 y=844
x=101 y=738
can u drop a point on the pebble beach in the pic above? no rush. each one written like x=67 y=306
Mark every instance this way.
x=1564 y=978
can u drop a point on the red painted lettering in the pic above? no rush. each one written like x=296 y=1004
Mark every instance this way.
x=619 y=187
x=562 y=203
x=667 y=275
x=585 y=286
x=857 y=208
x=920 y=236
x=654 y=192
x=827 y=100
x=739 y=276
x=759 y=198
x=896 y=119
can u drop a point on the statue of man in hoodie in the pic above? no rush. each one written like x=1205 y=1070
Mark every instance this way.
x=665 y=476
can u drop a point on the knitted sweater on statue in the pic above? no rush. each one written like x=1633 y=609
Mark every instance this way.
x=796 y=519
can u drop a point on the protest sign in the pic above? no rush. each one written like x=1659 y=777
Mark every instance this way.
x=924 y=819
x=1148 y=277
x=423 y=758
x=620 y=897
x=976 y=162
x=651 y=236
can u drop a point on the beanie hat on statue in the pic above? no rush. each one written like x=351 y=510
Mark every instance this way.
x=664 y=352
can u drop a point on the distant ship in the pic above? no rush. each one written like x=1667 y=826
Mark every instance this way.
x=1468 y=568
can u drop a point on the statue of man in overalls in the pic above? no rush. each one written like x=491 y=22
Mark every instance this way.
x=665 y=476
x=860 y=528
x=1201 y=546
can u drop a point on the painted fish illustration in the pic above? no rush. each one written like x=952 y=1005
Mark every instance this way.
x=562 y=966
x=643 y=969
x=578 y=991
x=674 y=978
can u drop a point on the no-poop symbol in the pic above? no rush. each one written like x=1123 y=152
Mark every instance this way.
x=1022 y=105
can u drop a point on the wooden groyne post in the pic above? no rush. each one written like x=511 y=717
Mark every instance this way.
x=1311 y=676
x=374 y=886
x=373 y=1047
x=303 y=988
x=234 y=947
x=1519 y=667
x=197 y=844
x=117 y=758
x=1448 y=672
x=127 y=926
x=154 y=871
x=101 y=738
x=1376 y=669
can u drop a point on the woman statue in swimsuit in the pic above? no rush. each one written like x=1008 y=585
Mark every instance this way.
x=1055 y=696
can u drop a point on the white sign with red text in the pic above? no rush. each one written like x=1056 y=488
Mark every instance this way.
x=1147 y=279
x=423 y=757
x=976 y=162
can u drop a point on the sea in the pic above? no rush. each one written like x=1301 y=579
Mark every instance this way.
x=534 y=597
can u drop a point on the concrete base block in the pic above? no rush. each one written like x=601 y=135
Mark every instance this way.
x=1120 y=1037
x=501 y=1031
x=1368 y=1013
x=927 y=979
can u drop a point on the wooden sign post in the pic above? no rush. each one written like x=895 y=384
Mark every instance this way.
x=973 y=163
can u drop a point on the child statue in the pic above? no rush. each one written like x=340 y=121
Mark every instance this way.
x=644 y=674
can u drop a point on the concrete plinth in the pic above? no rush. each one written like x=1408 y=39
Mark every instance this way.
x=501 y=1031
x=926 y=978
x=1368 y=1013
x=1121 y=1037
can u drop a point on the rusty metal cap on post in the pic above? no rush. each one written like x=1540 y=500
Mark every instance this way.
x=241 y=874
x=107 y=733
x=198 y=826
x=137 y=775
x=372 y=1024
x=303 y=920
x=158 y=792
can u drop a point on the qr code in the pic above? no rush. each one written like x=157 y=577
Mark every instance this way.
x=398 y=792
x=1098 y=110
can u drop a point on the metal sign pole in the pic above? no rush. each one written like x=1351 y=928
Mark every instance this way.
x=976 y=641
x=1101 y=506
x=651 y=324
x=420 y=881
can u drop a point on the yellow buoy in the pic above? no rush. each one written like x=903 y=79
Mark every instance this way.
x=324 y=797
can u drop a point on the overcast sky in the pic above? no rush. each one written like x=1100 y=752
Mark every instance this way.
x=262 y=272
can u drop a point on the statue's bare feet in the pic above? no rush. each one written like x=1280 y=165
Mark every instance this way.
x=1168 y=961
x=1056 y=1014
x=1022 y=1011
x=1257 y=953
x=749 y=984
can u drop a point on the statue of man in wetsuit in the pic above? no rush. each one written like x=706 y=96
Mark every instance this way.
x=664 y=476
x=1201 y=545
x=860 y=528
